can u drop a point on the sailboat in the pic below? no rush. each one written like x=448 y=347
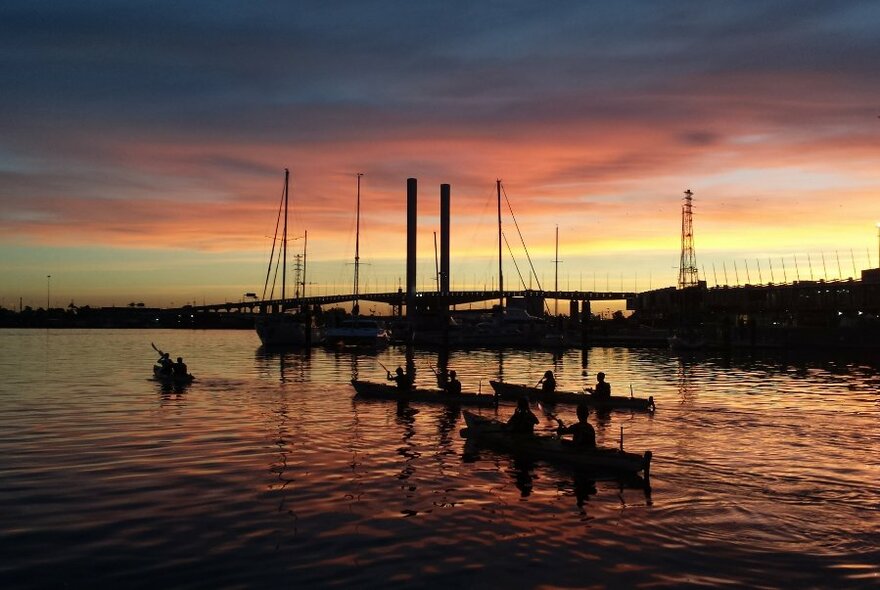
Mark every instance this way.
x=357 y=330
x=284 y=328
x=510 y=324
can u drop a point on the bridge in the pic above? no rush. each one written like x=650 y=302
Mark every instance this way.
x=398 y=299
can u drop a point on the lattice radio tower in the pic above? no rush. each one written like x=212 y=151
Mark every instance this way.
x=687 y=270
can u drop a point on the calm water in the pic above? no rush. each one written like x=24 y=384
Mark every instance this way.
x=265 y=472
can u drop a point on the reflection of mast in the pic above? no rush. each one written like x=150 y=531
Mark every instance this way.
x=500 y=269
x=687 y=272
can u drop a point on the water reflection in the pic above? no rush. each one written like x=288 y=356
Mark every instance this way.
x=169 y=390
x=291 y=364
x=405 y=417
x=442 y=372
x=522 y=470
x=584 y=487
x=686 y=394
x=280 y=467
x=766 y=471
x=446 y=424
x=355 y=443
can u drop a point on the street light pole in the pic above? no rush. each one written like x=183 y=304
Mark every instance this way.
x=48 y=290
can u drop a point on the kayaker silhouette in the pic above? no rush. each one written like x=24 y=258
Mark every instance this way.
x=523 y=420
x=548 y=382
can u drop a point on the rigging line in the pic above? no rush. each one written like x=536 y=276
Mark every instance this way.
x=515 y=265
x=528 y=257
x=272 y=253
x=275 y=277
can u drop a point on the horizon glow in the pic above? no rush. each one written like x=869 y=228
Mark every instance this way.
x=143 y=149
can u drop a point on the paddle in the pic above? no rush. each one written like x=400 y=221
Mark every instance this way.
x=161 y=354
x=551 y=415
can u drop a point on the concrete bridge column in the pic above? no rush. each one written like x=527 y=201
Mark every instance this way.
x=585 y=322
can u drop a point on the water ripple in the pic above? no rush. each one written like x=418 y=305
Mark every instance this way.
x=266 y=472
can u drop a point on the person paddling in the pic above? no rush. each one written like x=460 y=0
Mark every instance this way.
x=602 y=389
x=453 y=385
x=583 y=433
x=403 y=381
x=166 y=364
x=523 y=420
x=548 y=382
x=180 y=368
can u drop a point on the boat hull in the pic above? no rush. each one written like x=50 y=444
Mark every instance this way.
x=495 y=435
x=513 y=391
x=171 y=379
x=285 y=330
x=372 y=390
x=356 y=337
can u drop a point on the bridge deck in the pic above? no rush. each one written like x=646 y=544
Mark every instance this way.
x=399 y=298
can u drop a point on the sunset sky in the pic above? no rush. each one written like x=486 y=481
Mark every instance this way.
x=143 y=143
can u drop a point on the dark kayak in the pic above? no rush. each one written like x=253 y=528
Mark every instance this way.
x=515 y=391
x=372 y=390
x=172 y=379
x=495 y=435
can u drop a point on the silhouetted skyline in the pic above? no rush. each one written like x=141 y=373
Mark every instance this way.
x=143 y=145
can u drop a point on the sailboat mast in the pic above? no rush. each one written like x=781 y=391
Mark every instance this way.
x=500 y=269
x=305 y=250
x=284 y=238
x=357 y=246
x=556 y=275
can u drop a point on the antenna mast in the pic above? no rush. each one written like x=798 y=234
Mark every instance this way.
x=284 y=239
x=500 y=269
x=556 y=275
x=357 y=246
x=687 y=273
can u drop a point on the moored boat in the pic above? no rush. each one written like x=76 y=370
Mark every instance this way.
x=513 y=391
x=373 y=390
x=685 y=341
x=357 y=331
x=286 y=329
x=495 y=434
x=284 y=326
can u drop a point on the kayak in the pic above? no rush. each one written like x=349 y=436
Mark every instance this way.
x=495 y=435
x=372 y=390
x=516 y=391
x=172 y=379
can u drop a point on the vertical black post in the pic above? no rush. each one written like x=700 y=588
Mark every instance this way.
x=444 y=259
x=585 y=323
x=411 y=224
x=444 y=237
